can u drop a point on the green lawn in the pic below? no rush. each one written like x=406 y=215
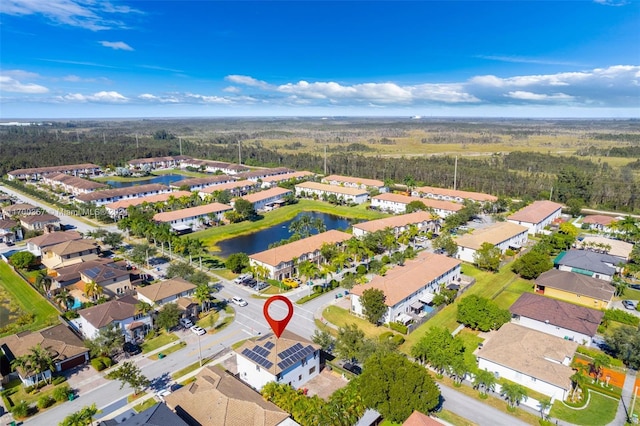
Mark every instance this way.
x=471 y=341
x=342 y=317
x=169 y=350
x=28 y=300
x=145 y=405
x=215 y=234
x=454 y=419
x=600 y=411
x=208 y=320
x=158 y=342
x=15 y=391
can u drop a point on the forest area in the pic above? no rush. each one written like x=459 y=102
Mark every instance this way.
x=594 y=161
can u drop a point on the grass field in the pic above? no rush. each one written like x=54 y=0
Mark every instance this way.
x=342 y=317
x=139 y=408
x=454 y=419
x=158 y=342
x=214 y=234
x=18 y=292
x=600 y=411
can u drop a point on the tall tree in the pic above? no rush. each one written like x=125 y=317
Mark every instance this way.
x=481 y=313
x=130 y=374
x=373 y=304
x=168 y=316
x=349 y=342
x=64 y=299
x=203 y=296
x=83 y=417
x=487 y=257
x=485 y=381
x=440 y=349
x=107 y=342
x=513 y=393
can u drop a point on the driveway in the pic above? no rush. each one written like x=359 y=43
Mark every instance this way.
x=618 y=305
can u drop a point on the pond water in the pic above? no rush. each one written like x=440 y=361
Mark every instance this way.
x=164 y=179
x=259 y=241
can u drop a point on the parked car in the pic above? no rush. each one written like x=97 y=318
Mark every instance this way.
x=354 y=368
x=629 y=304
x=261 y=286
x=198 y=330
x=290 y=282
x=239 y=301
x=186 y=322
x=162 y=393
x=131 y=348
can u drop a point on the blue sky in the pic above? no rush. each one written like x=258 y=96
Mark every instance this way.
x=93 y=58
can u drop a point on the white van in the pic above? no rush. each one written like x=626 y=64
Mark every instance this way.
x=186 y=322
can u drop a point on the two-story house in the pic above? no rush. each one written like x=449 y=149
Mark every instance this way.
x=185 y=219
x=164 y=292
x=397 y=203
x=40 y=222
x=260 y=200
x=537 y=215
x=423 y=221
x=341 y=193
x=36 y=245
x=504 y=235
x=69 y=253
x=10 y=231
x=120 y=313
x=114 y=280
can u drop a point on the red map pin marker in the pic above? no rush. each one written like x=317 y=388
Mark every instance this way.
x=278 y=326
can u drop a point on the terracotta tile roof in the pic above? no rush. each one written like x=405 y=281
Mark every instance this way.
x=402 y=281
x=346 y=190
x=191 y=212
x=54 y=238
x=159 y=159
x=58 y=340
x=113 y=310
x=286 y=252
x=39 y=218
x=76 y=182
x=121 y=192
x=274 y=346
x=203 y=181
x=228 y=186
x=263 y=195
x=535 y=212
x=494 y=234
x=353 y=180
x=528 y=351
x=599 y=219
x=8 y=223
x=215 y=164
x=164 y=289
x=395 y=221
x=158 y=198
x=405 y=199
x=476 y=196
x=72 y=272
x=418 y=419
x=264 y=172
x=560 y=314
x=19 y=209
x=229 y=402
x=73 y=246
x=576 y=283
x=54 y=169
x=287 y=176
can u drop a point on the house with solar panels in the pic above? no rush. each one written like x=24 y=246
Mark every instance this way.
x=114 y=280
x=289 y=359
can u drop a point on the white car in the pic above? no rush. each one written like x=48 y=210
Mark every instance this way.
x=162 y=393
x=186 y=322
x=239 y=301
x=198 y=330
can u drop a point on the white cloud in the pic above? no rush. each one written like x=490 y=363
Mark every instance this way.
x=161 y=99
x=101 y=97
x=8 y=84
x=529 y=96
x=247 y=81
x=21 y=74
x=523 y=60
x=91 y=15
x=232 y=89
x=116 y=45
x=611 y=2
x=209 y=99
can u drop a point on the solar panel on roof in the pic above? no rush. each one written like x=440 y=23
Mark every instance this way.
x=269 y=345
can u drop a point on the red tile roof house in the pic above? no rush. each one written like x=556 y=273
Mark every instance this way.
x=410 y=287
x=599 y=222
x=454 y=195
x=256 y=175
x=118 y=209
x=355 y=182
x=503 y=235
x=10 y=231
x=397 y=203
x=418 y=419
x=36 y=173
x=271 y=181
x=72 y=184
x=165 y=292
x=121 y=313
x=537 y=215
x=236 y=189
x=21 y=209
x=261 y=200
x=321 y=190
x=185 y=219
x=279 y=260
x=66 y=349
x=557 y=318
x=100 y=198
x=424 y=221
x=36 y=244
x=196 y=184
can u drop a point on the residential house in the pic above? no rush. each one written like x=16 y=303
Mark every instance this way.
x=187 y=219
x=164 y=292
x=40 y=222
x=537 y=215
x=617 y=248
x=504 y=235
x=397 y=203
x=586 y=262
x=454 y=195
x=236 y=189
x=290 y=360
x=154 y=163
x=36 y=173
x=101 y=198
x=156 y=415
x=260 y=174
x=69 y=253
x=118 y=209
x=557 y=318
x=323 y=191
x=196 y=184
x=411 y=287
x=21 y=209
x=264 y=199
x=422 y=220
x=114 y=280
x=575 y=288
x=529 y=358
x=210 y=166
x=270 y=181
x=419 y=419
x=355 y=182
x=279 y=261
x=229 y=402
x=120 y=313
x=72 y=184
x=69 y=275
x=66 y=349
x=598 y=222
x=37 y=244
x=10 y=231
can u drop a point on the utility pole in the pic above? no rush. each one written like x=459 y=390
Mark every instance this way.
x=104 y=141
x=137 y=144
x=180 y=140
x=455 y=174
x=239 y=152
x=551 y=194
x=325 y=160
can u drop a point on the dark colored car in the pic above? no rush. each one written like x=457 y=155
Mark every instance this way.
x=261 y=286
x=132 y=348
x=354 y=368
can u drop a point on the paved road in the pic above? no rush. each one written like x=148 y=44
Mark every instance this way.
x=476 y=411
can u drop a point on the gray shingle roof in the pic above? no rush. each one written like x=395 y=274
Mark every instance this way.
x=589 y=261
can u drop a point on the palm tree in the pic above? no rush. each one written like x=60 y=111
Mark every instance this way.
x=513 y=393
x=43 y=282
x=307 y=269
x=144 y=308
x=64 y=299
x=578 y=380
x=484 y=381
x=327 y=270
x=92 y=290
x=598 y=363
x=37 y=361
x=339 y=261
x=544 y=405
x=203 y=296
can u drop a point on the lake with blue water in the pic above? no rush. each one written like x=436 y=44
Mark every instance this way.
x=164 y=179
x=259 y=241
